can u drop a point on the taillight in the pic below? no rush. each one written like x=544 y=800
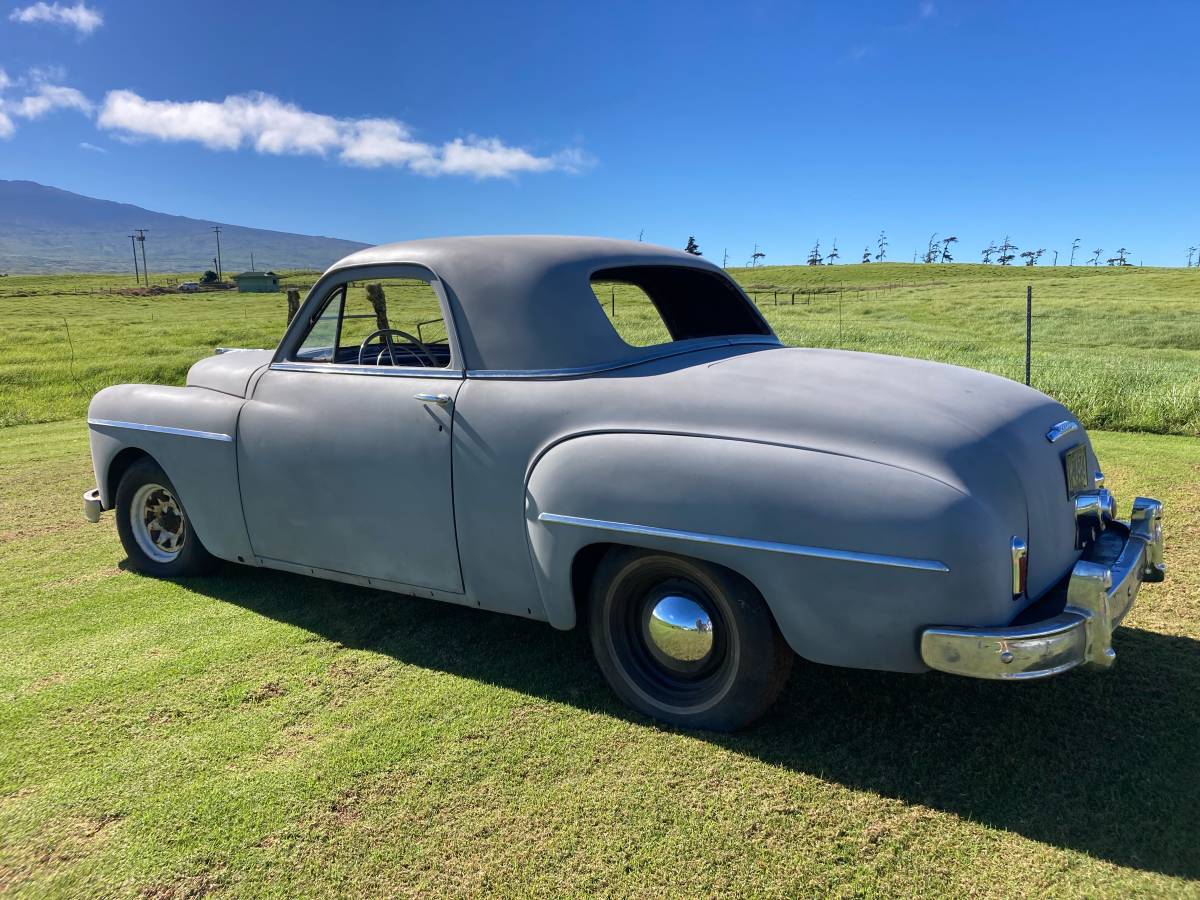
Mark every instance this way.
x=1020 y=567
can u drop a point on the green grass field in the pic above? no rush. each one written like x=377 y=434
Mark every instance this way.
x=261 y=734
x=1121 y=347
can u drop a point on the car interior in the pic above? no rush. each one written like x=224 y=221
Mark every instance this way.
x=394 y=322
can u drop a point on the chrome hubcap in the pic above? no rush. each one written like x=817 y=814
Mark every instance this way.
x=157 y=522
x=680 y=632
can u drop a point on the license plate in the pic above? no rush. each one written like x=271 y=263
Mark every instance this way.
x=1075 y=465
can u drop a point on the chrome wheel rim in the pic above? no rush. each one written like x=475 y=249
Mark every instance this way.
x=157 y=522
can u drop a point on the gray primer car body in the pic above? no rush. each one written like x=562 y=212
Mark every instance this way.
x=865 y=497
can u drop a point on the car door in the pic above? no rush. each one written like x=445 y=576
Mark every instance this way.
x=344 y=447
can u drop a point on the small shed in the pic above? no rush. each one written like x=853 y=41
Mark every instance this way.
x=257 y=282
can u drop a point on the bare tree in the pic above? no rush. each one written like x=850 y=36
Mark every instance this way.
x=1032 y=256
x=833 y=254
x=988 y=251
x=1074 y=247
x=1006 y=252
x=1191 y=253
x=692 y=247
x=933 y=249
x=1096 y=258
x=882 y=244
x=755 y=256
x=946 y=256
x=867 y=255
x=814 y=255
x=1119 y=259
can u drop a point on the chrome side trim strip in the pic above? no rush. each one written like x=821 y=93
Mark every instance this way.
x=162 y=429
x=874 y=559
x=1062 y=429
x=382 y=371
x=576 y=371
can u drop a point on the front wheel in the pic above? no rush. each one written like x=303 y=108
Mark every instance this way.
x=684 y=641
x=154 y=527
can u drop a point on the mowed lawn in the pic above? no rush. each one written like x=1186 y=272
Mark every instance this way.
x=258 y=734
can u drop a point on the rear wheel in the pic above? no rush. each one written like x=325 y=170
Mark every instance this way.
x=685 y=641
x=154 y=527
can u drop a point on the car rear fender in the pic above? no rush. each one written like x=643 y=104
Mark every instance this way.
x=851 y=556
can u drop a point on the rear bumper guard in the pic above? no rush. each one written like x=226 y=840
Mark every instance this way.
x=1098 y=598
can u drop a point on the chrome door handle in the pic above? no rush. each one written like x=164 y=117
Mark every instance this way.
x=442 y=400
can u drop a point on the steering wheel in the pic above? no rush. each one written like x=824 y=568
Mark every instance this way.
x=390 y=348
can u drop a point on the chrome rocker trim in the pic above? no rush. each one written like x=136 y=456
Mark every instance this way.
x=1098 y=598
x=875 y=559
x=162 y=429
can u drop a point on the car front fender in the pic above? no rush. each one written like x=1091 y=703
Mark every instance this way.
x=191 y=433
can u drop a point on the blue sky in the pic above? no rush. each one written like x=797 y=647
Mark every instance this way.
x=775 y=123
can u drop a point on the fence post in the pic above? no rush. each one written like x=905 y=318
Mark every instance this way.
x=1028 y=330
x=293 y=302
x=614 y=301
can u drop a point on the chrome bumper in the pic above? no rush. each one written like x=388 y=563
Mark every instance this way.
x=1098 y=597
x=92 y=507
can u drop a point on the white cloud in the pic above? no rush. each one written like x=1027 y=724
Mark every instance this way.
x=40 y=97
x=80 y=17
x=47 y=98
x=270 y=125
x=84 y=145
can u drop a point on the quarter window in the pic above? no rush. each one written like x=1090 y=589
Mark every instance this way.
x=649 y=305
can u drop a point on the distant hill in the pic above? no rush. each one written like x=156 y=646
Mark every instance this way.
x=44 y=229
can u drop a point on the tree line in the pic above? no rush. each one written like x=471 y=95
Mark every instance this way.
x=941 y=250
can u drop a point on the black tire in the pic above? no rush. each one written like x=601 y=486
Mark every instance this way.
x=181 y=553
x=721 y=675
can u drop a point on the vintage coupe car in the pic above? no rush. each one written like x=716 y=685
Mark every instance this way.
x=495 y=422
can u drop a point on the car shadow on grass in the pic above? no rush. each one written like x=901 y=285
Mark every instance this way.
x=1104 y=764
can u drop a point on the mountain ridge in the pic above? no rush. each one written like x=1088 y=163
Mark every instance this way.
x=48 y=229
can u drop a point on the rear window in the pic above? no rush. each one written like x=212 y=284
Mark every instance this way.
x=649 y=305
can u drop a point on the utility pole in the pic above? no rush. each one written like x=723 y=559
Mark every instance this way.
x=141 y=238
x=217 y=231
x=725 y=261
x=137 y=276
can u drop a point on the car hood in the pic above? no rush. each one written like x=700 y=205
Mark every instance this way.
x=228 y=371
x=979 y=433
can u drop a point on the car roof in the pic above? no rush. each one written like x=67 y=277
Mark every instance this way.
x=525 y=302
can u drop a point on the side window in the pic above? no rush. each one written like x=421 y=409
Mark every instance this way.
x=631 y=313
x=380 y=322
x=318 y=346
x=651 y=304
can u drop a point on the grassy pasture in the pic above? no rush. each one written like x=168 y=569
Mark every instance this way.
x=1121 y=347
x=260 y=734
x=256 y=734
